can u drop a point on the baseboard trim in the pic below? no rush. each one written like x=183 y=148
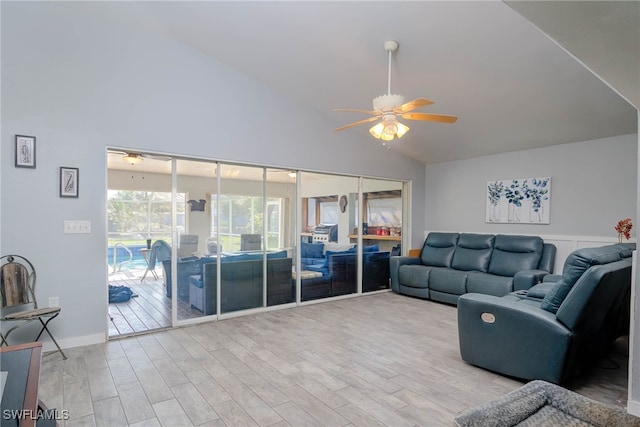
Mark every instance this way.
x=72 y=342
x=633 y=407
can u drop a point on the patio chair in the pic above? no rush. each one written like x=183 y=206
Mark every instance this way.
x=18 y=306
x=160 y=251
x=188 y=245
x=250 y=242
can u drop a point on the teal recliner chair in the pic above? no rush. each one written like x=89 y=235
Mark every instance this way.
x=556 y=329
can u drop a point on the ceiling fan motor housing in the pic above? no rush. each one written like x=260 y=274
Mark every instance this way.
x=387 y=102
x=391 y=45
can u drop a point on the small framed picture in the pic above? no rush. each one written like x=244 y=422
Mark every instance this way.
x=25 y=151
x=69 y=182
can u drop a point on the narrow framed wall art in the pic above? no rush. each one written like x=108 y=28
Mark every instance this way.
x=69 y=182
x=25 y=151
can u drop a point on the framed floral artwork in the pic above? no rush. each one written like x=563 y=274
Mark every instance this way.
x=519 y=201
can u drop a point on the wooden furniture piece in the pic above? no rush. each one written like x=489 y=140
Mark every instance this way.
x=20 y=374
x=414 y=253
x=385 y=243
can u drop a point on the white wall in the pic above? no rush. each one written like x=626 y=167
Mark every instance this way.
x=80 y=84
x=593 y=186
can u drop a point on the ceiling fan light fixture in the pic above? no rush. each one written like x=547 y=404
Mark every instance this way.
x=388 y=129
x=132 y=159
x=402 y=129
x=376 y=130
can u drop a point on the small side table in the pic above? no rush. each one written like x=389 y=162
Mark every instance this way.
x=145 y=254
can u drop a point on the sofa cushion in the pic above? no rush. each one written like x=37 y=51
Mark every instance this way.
x=449 y=281
x=320 y=268
x=329 y=254
x=626 y=249
x=337 y=247
x=515 y=253
x=574 y=267
x=312 y=261
x=414 y=275
x=489 y=284
x=234 y=257
x=277 y=254
x=311 y=250
x=415 y=292
x=438 y=249
x=473 y=252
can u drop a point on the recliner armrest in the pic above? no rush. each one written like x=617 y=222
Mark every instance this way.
x=395 y=262
x=527 y=278
x=540 y=290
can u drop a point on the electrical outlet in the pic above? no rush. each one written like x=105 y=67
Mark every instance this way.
x=54 y=302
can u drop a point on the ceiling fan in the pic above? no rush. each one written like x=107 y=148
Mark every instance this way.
x=135 y=158
x=388 y=108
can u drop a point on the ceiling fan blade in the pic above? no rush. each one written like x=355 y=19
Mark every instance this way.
x=412 y=105
x=350 y=110
x=370 y=119
x=430 y=117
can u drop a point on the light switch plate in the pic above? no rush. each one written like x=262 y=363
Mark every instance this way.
x=77 y=227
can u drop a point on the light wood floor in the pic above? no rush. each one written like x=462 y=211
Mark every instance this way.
x=376 y=360
x=149 y=310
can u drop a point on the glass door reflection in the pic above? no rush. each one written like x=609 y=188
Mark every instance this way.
x=327 y=253
x=241 y=206
x=381 y=220
x=195 y=287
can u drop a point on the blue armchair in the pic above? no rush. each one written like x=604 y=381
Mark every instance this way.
x=556 y=329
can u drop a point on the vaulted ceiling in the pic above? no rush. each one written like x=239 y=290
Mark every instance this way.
x=510 y=84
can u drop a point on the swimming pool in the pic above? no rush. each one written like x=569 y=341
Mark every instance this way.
x=137 y=261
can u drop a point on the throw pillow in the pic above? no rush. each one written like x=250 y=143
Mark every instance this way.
x=311 y=250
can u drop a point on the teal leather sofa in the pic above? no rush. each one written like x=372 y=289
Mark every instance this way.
x=452 y=264
x=556 y=329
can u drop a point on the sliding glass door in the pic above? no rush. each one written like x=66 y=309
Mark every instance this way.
x=244 y=238
x=328 y=251
x=382 y=212
x=280 y=236
x=191 y=282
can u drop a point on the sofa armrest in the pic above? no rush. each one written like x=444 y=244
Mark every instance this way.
x=395 y=262
x=552 y=278
x=510 y=337
x=527 y=278
x=540 y=290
